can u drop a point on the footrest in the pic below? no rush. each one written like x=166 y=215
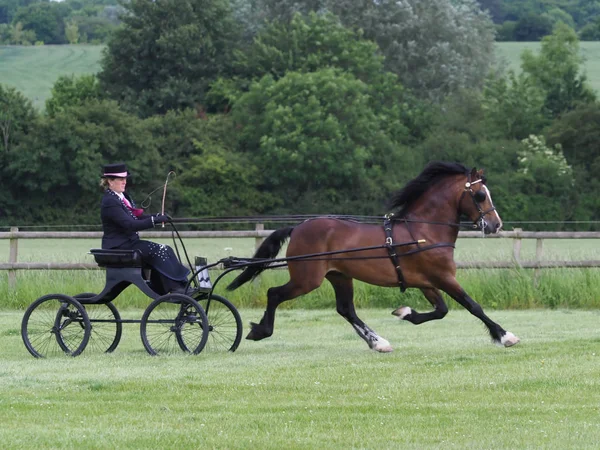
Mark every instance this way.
x=117 y=258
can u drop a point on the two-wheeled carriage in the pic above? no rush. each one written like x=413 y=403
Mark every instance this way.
x=190 y=322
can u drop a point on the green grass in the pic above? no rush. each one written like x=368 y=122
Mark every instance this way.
x=510 y=57
x=498 y=289
x=33 y=70
x=315 y=384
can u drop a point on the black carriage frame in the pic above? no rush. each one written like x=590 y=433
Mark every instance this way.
x=190 y=322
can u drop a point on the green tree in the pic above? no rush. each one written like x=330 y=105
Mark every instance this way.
x=578 y=134
x=532 y=27
x=167 y=53
x=72 y=32
x=434 y=46
x=218 y=180
x=62 y=158
x=545 y=180
x=556 y=70
x=17 y=119
x=307 y=45
x=71 y=91
x=45 y=19
x=513 y=106
x=17 y=116
x=19 y=36
x=591 y=31
x=316 y=135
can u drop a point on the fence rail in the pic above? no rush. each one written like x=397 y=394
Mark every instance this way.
x=259 y=233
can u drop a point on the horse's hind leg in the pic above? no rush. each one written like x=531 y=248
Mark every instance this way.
x=498 y=334
x=275 y=296
x=439 y=308
x=344 y=294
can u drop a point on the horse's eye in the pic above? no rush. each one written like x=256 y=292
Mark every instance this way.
x=479 y=196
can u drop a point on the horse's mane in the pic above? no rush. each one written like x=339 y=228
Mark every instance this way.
x=433 y=172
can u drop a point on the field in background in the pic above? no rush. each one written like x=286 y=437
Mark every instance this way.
x=33 y=70
x=315 y=384
x=509 y=54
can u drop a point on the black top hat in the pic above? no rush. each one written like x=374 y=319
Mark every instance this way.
x=115 y=171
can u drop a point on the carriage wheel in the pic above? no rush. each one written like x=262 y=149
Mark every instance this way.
x=106 y=325
x=172 y=323
x=55 y=324
x=224 y=324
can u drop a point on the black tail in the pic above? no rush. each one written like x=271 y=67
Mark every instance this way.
x=267 y=250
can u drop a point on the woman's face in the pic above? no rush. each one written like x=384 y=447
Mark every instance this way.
x=117 y=184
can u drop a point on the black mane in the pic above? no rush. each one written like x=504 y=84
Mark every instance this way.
x=433 y=172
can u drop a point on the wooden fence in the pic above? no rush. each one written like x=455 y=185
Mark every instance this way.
x=259 y=233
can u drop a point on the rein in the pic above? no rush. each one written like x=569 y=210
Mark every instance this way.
x=232 y=262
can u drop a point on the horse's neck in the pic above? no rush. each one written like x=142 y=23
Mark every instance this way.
x=437 y=208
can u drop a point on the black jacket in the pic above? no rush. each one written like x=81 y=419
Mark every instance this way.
x=118 y=222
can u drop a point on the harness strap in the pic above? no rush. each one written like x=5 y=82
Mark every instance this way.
x=388 y=224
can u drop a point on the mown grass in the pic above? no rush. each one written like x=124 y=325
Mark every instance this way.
x=493 y=288
x=315 y=384
x=33 y=70
x=509 y=54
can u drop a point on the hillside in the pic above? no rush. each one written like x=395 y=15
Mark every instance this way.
x=33 y=70
x=509 y=56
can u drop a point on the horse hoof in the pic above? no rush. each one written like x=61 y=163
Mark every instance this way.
x=382 y=346
x=402 y=312
x=253 y=335
x=509 y=339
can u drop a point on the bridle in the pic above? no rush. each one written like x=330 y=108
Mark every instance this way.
x=480 y=222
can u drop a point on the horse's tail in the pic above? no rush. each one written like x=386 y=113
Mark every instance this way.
x=267 y=250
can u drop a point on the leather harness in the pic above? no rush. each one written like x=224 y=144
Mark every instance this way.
x=388 y=224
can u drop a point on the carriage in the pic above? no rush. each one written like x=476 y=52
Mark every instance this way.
x=191 y=322
x=413 y=249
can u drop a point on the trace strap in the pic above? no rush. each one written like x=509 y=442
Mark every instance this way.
x=388 y=223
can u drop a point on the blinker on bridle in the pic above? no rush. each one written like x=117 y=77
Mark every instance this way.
x=477 y=197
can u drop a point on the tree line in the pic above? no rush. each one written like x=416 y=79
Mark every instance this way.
x=38 y=22
x=530 y=20
x=311 y=107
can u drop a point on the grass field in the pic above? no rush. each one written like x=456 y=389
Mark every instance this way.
x=498 y=289
x=33 y=70
x=510 y=57
x=315 y=384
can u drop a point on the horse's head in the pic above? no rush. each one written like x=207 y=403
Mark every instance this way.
x=476 y=203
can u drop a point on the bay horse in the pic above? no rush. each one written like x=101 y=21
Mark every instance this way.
x=414 y=249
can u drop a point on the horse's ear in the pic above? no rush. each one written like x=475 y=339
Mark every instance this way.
x=474 y=173
x=480 y=174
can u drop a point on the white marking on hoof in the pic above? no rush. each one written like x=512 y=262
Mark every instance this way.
x=509 y=339
x=402 y=312
x=382 y=346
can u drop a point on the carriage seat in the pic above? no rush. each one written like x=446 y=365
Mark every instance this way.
x=117 y=258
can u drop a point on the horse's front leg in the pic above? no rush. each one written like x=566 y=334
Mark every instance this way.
x=498 y=334
x=344 y=298
x=439 y=308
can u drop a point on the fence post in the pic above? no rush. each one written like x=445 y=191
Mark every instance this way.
x=12 y=258
x=517 y=246
x=258 y=240
x=539 y=252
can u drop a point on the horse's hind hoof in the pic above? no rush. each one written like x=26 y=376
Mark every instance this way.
x=255 y=333
x=402 y=312
x=509 y=339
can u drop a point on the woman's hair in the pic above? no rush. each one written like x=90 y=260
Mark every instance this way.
x=104 y=183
